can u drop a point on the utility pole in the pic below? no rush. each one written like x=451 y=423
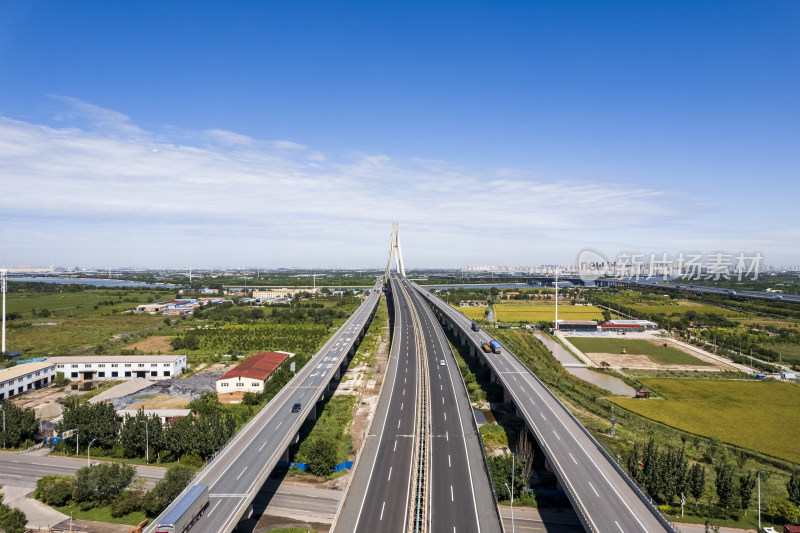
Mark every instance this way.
x=3 y=287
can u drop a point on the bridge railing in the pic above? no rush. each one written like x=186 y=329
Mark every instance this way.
x=641 y=494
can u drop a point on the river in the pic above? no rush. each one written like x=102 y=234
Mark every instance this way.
x=95 y=282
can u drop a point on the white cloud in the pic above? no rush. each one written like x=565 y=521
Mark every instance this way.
x=145 y=198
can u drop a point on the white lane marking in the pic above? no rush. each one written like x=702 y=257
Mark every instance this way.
x=440 y=386
x=451 y=493
x=382 y=506
x=390 y=474
x=543 y=416
x=442 y=399
x=620 y=528
x=262 y=446
x=447 y=435
x=445 y=416
x=398 y=424
x=404 y=392
x=395 y=446
x=573 y=459
x=240 y=475
x=401 y=406
x=595 y=492
x=556 y=434
x=448 y=461
x=404 y=380
x=214 y=508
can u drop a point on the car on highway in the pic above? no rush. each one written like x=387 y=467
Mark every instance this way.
x=441 y=362
x=296 y=407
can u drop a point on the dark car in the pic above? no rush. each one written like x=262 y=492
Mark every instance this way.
x=296 y=408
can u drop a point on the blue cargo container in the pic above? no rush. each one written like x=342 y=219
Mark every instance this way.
x=495 y=346
x=181 y=517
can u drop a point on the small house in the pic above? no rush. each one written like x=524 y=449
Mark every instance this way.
x=643 y=392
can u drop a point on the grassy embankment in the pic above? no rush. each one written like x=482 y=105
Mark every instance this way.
x=594 y=410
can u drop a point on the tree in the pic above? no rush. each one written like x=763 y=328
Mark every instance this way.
x=20 y=424
x=793 y=487
x=697 y=483
x=321 y=457
x=12 y=520
x=175 y=480
x=102 y=483
x=137 y=431
x=746 y=485
x=92 y=421
x=500 y=470
x=724 y=484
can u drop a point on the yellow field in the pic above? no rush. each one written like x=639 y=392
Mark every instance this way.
x=544 y=311
x=474 y=313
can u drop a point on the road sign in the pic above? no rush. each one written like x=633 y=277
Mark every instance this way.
x=67 y=434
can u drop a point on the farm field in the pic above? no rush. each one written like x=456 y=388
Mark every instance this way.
x=684 y=307
x=749 y=414
x=473 y=313
x=545 y=311
x=658 y=353
x=70 y=334
x=152 y=345
x=80 y=303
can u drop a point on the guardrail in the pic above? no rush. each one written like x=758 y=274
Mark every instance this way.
x=419 y=510
x=452 y=314
x=220 y=454
x=484 y=462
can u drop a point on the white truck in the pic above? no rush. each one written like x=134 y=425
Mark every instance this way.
x=186 y=512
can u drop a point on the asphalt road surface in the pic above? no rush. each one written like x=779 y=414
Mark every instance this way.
x=459 y=492
x=385 y=506
x=608 y=503
x=237 y=474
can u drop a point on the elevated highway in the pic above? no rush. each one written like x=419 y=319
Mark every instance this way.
x=238 y=471
x=605 y=499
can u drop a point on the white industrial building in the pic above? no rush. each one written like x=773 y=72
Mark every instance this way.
x=25 y=377
x=119 y=367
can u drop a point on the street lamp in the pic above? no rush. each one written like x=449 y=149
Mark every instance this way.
x=89 y=453
x=759 y=497
x=4 y=426
x=147 y=440
x=511 y=492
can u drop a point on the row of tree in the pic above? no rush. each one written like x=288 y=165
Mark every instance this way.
x=201 y=434
x=113 y=484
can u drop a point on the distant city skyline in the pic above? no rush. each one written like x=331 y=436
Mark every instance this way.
x=494 y=132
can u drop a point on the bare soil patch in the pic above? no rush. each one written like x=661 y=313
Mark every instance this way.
x=152 y=345
x=162 y=401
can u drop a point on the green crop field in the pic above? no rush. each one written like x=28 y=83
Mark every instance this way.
x=474 y=313
x=755 y=415
x=545 y=311
x=658 y=353
x=92 y=302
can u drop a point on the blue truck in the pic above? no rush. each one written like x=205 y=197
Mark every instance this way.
x=186 y=512
x=495 y=346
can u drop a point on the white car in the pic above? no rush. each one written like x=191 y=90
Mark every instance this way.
x=769 y=530
x=441 y=363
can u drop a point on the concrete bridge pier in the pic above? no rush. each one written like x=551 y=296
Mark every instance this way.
x=312 y=415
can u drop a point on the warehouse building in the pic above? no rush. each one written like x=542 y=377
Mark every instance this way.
x=249 y=376
x=25 y=377
x=119 y=367
x=576 y=326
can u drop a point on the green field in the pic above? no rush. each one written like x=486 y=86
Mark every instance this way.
x=658 y=353
x=680 y=310
x=71 y=334
x=760 y=416
x=544 y=311
x=86 y=303
x=473 y=313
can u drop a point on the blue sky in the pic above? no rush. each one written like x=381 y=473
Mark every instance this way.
x=294 y=133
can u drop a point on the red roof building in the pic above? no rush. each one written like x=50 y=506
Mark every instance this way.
x=249 y=376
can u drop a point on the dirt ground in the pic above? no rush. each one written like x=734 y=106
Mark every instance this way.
x=365 y=383
x=152 y=345
x=162 y=401
x=643 y=362
x=39 y=397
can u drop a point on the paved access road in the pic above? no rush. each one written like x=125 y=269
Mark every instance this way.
x=385 y=505
x=459 y=492
x=16 y=468
x=237 y=473
x=601 y=493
